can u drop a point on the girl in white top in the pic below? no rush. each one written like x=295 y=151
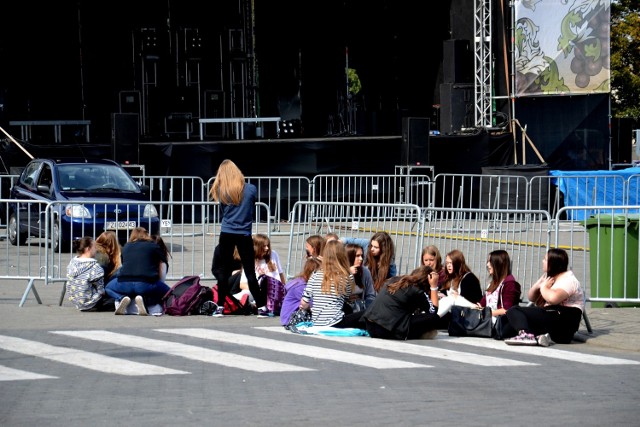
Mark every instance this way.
x=559 y=302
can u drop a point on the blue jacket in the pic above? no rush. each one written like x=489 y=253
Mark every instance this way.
x=239 y=219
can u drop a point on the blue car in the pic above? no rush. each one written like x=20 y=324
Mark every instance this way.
x=88 y=196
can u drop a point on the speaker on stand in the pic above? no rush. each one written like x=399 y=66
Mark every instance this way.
x=415 y=141
x=125 y=138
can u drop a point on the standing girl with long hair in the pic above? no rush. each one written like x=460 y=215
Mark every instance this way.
x=237 y=200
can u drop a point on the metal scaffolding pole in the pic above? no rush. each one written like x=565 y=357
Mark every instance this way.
x=482 y=64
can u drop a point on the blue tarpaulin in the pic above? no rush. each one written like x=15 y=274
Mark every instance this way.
x=597 y=188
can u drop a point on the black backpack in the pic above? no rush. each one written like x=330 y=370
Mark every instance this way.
x=186 y=297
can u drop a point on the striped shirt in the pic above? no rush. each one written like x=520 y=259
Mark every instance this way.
x=327 y=308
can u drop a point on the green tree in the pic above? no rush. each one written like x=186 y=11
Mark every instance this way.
x=625 y=58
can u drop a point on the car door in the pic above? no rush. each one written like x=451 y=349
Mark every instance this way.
x=31 y=215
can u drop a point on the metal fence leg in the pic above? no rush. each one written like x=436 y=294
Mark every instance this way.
x=586 y=321
x=30 y=287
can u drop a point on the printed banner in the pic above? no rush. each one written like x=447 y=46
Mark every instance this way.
x=562 y=47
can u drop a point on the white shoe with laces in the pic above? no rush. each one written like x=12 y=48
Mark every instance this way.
x=544 y=340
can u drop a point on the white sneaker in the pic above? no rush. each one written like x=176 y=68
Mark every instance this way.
x=121 y=306
x=544 y=340
x=142 y=311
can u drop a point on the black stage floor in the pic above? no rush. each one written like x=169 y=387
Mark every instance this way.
x=285 y=156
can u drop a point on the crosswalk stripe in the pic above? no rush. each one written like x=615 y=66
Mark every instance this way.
x=191 y=352
x=294 y=348
x=83 y=359
x=10 y=374
x=540 y=351
x=413 y=349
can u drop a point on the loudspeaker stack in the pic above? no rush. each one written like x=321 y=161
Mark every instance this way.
x=415 y=141
x=457 y=92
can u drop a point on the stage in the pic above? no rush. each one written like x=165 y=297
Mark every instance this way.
x=286 y=156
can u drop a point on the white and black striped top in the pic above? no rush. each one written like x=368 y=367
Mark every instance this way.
x=327 y=308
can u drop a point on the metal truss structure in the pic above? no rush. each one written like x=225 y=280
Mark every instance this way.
x=483 y=79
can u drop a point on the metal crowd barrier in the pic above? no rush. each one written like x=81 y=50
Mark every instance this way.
x=311 y=218
x=408 y=207
x=191 y=244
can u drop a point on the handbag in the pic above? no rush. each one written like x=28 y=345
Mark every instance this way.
x=298 y=316
x=357 y=305
x=470 y=322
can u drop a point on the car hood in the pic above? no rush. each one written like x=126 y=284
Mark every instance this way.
x=102 y=196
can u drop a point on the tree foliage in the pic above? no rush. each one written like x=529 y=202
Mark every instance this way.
x=625 y=58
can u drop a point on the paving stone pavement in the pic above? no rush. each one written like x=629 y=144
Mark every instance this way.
x=615 y=328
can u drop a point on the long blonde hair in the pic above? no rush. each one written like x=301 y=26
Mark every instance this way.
x=107 y=242
x=228 y=187
x=335 y=268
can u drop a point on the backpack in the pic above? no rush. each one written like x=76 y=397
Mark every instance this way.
x=232 y=305
x=275 y=293
x=186 y=297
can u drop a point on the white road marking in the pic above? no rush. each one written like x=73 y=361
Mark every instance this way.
x=10 y=374
x=83 y=359
x=294 y=348
x=413 y=349
x=191 y=352
x=550 y=352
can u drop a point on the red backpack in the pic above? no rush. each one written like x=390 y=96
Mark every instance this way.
x=234 y=306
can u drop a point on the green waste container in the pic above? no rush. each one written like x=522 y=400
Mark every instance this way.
x=607 y=240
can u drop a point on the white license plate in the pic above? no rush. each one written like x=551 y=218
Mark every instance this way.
x=120 y=225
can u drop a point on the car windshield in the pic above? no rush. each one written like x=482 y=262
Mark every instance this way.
x=94 y=177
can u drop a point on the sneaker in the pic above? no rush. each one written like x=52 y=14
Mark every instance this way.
x=121 y=306
x=142 y=310
x=263 y=312
x=544 y=340
x=523 y=338
x=208 y=308
x=219 y=312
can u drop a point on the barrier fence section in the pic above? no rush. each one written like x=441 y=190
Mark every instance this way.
x=46 y=255
x=556 y=192
x=633 y=190
x=312 y=218
x=471 y=191
x=524 y=234
x=372 y=193
x=180 y=189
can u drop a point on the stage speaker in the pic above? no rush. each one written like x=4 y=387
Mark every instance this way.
x=214 y=104
x=415 y=141
x=214 y=108
x=125 y=138
x=457 y=61
x=456 y=107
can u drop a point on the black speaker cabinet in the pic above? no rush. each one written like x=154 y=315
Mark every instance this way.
x=415 y=141
x=125 y=138
x=456 y=107
x=457 y=61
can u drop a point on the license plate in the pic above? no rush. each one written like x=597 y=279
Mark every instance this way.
x=120 y=225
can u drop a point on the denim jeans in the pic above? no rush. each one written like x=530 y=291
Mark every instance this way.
x=152 y=293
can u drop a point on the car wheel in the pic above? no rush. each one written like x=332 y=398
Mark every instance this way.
x=58 y=241
x=16 y=236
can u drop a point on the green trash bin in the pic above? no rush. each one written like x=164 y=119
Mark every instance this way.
x=607 y=240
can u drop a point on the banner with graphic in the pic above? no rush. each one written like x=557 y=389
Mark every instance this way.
x=562 y=47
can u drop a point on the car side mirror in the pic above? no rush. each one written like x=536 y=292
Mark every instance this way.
x=43 y=188
x=144 y=188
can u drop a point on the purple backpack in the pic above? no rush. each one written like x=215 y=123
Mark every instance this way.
x=275 y=293
x=186 y=297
